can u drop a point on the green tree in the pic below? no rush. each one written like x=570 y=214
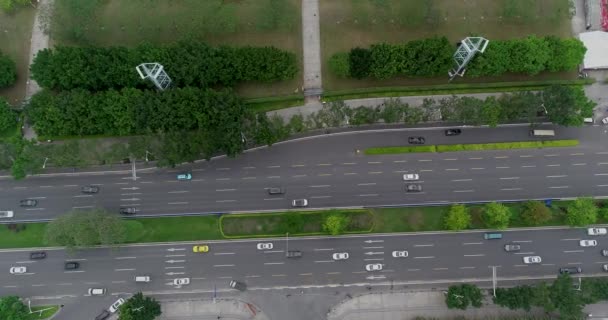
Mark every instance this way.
x=519 y=297
x=567 y=105
x=542 y=297
x=496 y=215
x=8 y=117
x=139 y=307
x=335 y=224
x=581 y=212
x=461 y=296
x=85 y=229
x=535 y=213
x=458 y=218
x=566 y=298
x=8 y=70
x=360 y=61
x=11 y=308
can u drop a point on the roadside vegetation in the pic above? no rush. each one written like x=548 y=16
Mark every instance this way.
x=13 y=308
x=84 y=229
x=473 y=147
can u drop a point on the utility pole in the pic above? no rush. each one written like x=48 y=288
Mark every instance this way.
x=286 y=243
x=133 y=171
x=494 y=281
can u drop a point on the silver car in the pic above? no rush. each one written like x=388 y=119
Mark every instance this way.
x=340 y=256
x=299 y=203
x=400 y=254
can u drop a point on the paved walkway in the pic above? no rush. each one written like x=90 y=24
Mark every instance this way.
x=409 y=305
x=40 y=40
x=206 y=309
x=311 y=44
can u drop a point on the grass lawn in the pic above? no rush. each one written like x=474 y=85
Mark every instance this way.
x=294 y=223
x=15 y=34
x=45 y=314
x=473 y=147
x=174 y=229
x=217 y=22
x=346 y=24
x=31 y=236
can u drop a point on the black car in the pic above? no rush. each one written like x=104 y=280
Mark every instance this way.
x=512 y=247
x=71 y=265
x=89 y=189
x=103 y=315
x=37 y=255
x=276 y=190
x=416 y=140
x=453 y=132
x=413 y=188
x=28 y=203
x=293 y=254
x=570 y=270
x=129 y=210
x=238 y=285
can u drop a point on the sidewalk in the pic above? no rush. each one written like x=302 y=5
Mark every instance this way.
x=206 y=309
x=311 y=44
x=401 y=306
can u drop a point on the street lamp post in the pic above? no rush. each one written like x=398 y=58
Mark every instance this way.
x=286 y=243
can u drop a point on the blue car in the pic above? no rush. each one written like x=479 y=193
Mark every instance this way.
x=184 y=176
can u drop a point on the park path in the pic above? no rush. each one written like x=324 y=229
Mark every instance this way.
x=311 y=46
x=39 y=41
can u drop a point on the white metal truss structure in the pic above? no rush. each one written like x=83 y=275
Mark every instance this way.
x=465 y=53
x=156 y=73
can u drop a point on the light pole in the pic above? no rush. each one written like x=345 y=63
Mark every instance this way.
x=286 y=243
x=494 y=281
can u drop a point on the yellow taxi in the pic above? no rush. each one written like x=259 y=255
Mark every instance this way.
x=200 y=248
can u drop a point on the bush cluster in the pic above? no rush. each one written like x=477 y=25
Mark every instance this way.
x=193 y=64
x=8 y=71
x=433 y=57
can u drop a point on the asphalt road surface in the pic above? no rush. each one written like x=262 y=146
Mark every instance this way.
x=329 y=172
x=432 y=258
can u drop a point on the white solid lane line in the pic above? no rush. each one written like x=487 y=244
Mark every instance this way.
x=424 y=245
x=559 y=187
x=78 y=271
x=273 y=263
x=368 y=195
x=466 y=268
x=223 y=253
x=522 y=241
x=223 y=265
x=471 y=243
x=560 y=176
x=503 y=167
x=32 y=209
x=461 y=180
x=182 y=202
x=478 y=168
x=324 y=261
x=124 y=269
x=324 y=249
x=474 y=255
x=224 y=190
x=601 y=174
x=83 y=196
x=510 y=189
x=175 y=267
x=461 y=191
x=274 y=251
x=367 y=184
x=121 y=258
x=429 y=257
x=179 y=191
x=452 y=169
x=320 y=197
x=274 y=199
x=509 y=178
x=320 y=186
x=222 y=201
x=573 y=251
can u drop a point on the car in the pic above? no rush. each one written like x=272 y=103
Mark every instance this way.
x=340 y=256
x=6 y=214
x=416 y=140
x=71 y=265
x=89 y=189
x=28 y=203
x=452 y=132
x=512 y=247
x=411 y=177
x=605 y=253
x=200 y=248
x=37 y=255
x=184 y=176
x=18 y=270
x=237 y=285
x=275 y=190
x=373 y=267
x=588 y=243
x=142 y=278
x=570 y=270
x=265 y=246
x=103 y=315
x=114 y=307
x=605 y=120
x=532 y=259
x=597 y=231
x=299 y=203
x=127 y=210
x=413 y=188
x=181 y=281
x=605 y=267
x=97 y=291
x=400 y=254
x=293 y=254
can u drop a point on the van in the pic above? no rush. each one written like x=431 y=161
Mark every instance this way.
x=542 y=133
x=492 y=235
x=588 y=120
x=142 y=278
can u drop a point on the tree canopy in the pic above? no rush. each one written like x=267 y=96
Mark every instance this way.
x=8 y=70
x=458 y=218
x=567 y=105
x=139 y=307
x=581 y=212
x=496 y=215
x=12 y=308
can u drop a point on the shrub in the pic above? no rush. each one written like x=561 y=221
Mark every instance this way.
x=496 y=215
x=581 y=212
x=360 y=61
x=8 y=71
x=535 y=213
x=458 y=218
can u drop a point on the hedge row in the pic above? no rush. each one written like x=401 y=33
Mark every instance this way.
x=433 y=56
x=217 y=116
x=473 y=147
x=187 y=63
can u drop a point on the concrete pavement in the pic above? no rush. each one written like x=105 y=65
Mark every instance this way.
x=209 y=309
x=311 y=45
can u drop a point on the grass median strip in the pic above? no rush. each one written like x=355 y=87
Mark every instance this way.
x=472 y=147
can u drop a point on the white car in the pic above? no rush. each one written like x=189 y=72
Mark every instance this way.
x=411 y=177
x=97 y=291
x=340 y=256
x=181 y=281
x=114 y=307
x=605 y=120
x=532 y=259
x=373 y=267
x=265 y=246
x=6 y=214
x=400 y=254
x=18 y=270
x=597 y=231
x=588 y=243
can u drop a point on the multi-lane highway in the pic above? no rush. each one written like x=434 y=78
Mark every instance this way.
x=433 y=258
x=330 y=173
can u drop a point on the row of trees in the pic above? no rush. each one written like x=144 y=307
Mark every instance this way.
x=8 y=71
x=8 y=117
x=188 y=63
x=433 y=56
x=578 y=213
